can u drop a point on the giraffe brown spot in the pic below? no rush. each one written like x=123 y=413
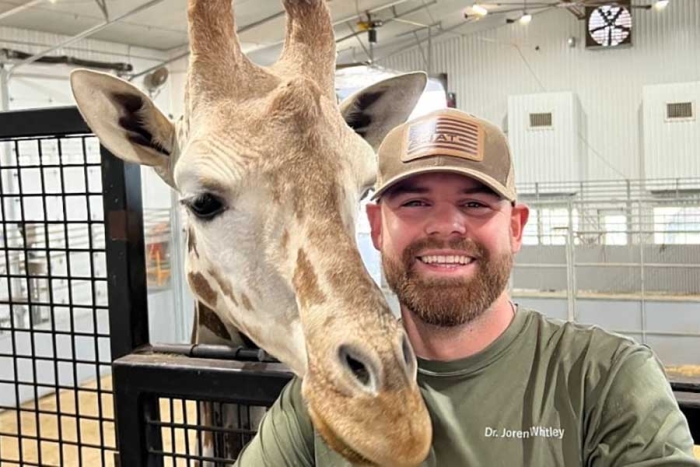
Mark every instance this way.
x=224 y=285
x=206 y=410
x=285 y=239
x=246 y=302
x=195 y=327
x=202 y=288
x=276 y=187
x=306 y=282
x=192 y=242
x=210 y=320
x=299 y=205
x=329 y=321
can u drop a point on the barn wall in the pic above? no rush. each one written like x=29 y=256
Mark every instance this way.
x=487 y=67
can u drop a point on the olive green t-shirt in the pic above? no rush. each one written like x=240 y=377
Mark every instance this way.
x=545 y=393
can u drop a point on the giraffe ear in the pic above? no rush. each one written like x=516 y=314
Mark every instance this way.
x=374 y=111
x=125 y=120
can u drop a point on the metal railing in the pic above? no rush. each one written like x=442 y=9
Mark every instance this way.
x=613 y=241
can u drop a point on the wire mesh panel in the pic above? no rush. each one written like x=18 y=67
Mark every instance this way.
x=178 y=410
x=186 y=433
x=55 y=388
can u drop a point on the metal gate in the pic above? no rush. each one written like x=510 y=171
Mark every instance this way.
x=55 y=354
x=74 y=318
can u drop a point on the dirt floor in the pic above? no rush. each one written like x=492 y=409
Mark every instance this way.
x=89 y=430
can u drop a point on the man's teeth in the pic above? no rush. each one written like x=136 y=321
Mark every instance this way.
x=451 y=259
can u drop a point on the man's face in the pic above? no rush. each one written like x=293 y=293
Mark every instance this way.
x=447 y=245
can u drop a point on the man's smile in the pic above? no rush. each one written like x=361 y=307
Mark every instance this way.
x=446 y=262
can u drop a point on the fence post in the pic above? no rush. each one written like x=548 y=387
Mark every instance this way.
x=540 y=227
x=128 y=301
x=570 y=267
x=642 y=272
x=630 y=224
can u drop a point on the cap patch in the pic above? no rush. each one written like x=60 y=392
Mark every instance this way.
x=445 y=136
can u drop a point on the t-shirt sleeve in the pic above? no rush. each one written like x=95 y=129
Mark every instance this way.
x=636 y=420
x=285 y=436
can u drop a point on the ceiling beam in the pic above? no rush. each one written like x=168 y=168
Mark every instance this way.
x=247 y=27
x=102 y=4
x=336 y=23
x=396 y=17
x=19 y=8
x=82 y=35
x=451 y=30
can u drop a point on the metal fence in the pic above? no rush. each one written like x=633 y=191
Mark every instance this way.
x=636 y=242
x=54 y=323
x=182 y=405
x=80 y=383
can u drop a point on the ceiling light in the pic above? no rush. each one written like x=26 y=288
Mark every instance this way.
x=525 y=19
x=479 y=10
x=661 y=4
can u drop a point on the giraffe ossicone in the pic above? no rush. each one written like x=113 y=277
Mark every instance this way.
x=270 y=169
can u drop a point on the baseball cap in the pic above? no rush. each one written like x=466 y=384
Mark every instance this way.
x=447 y=140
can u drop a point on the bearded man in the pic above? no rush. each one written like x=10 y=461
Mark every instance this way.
x=505 y=386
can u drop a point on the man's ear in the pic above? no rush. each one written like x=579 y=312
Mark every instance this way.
x=374 y=215
x=520 y=213
x=125 y=120
x=374 y=111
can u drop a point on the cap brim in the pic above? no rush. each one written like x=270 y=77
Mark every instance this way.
x=476 y=175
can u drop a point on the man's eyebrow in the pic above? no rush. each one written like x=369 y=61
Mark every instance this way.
x=479 y=189
x=405 y=188
x=408 y=188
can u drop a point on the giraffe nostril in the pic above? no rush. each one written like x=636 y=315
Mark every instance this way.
x=355 y=362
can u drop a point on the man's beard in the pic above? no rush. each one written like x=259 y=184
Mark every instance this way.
x=448 y=302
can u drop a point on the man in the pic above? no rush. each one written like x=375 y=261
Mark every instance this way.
x=504 y=385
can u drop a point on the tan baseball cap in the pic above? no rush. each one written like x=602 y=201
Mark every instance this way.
x=447 y=140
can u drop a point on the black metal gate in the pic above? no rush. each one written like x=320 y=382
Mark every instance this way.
x=74 y=318
x=54 y=320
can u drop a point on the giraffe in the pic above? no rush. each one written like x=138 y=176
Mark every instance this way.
x=270 y=169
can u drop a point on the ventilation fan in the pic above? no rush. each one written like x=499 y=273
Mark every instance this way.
x=609 y=25
x=155 y=80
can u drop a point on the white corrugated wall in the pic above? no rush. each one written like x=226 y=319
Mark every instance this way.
x=553 y=153
x=41 y=85
x=486 y=67
x=671 y=147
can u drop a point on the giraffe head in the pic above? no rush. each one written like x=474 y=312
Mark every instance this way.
x=270 y=169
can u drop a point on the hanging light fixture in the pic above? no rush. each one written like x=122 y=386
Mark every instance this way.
x=661 y=4
x=526 y=17
x=479 y=10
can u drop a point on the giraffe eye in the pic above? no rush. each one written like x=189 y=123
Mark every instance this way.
x=205 y=206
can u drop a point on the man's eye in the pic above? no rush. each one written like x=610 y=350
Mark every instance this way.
x=474 y=205
x=414 y=203
x=205 y=206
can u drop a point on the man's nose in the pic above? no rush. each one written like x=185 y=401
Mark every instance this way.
x=446 y=220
